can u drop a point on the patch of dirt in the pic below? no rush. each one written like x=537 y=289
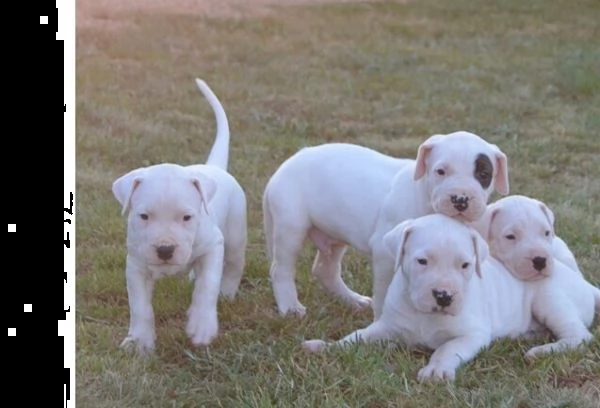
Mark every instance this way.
x=105 y=13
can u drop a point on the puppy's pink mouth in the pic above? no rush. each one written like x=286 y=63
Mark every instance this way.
x=461 y=217
x=441 y=310
x=532 y=277
x=164 y=263
x=465 y=216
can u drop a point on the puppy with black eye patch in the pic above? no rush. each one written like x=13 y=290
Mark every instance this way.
x=339 y=195
x=458 y=173
x=484 y=170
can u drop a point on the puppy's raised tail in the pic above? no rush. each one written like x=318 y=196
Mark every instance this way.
x=219 y=154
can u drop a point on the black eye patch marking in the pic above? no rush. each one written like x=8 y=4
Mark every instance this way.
x=484 y=170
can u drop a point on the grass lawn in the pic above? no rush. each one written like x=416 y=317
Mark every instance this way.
x=522 y=74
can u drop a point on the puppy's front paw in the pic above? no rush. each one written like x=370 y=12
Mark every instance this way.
x=556 y=347
x=293 y=310
x=202 y=328
x=436 y=372
x=143 y=346
x=544 y=349
x=314 y=346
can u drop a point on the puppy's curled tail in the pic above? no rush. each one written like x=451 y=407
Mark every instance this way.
x=219 y=154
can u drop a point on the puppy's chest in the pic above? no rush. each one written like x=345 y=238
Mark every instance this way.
x=427 y=333
x=174 y=270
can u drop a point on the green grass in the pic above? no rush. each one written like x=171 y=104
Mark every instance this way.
x=524 y=75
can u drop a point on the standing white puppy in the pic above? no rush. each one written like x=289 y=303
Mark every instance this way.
x=520 y=233
x=448 y=295
x=183 y=219
x=341 y=194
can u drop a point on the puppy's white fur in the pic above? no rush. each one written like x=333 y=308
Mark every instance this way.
x=448 y=295
x=342 y=194
x=519 y=230
x=183 y=219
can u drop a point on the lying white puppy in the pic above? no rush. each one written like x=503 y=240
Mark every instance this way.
x=341 y=194
x=524 y=226
x=520 y=234
x=435 y=301
x=182 y=219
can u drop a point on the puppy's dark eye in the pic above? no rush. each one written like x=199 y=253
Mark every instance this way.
x=187 y=217
x=422 y=261
x=510 y=236
x=144 y=217
x=440 y=172
x=465 y=265
x=547 y=233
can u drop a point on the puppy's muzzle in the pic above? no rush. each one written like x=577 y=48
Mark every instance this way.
x=539 y=263
x=442 y=298
x=165 y=252
x=460 y=203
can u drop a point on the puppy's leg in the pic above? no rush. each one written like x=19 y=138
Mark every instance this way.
x=235 y=251
x=327 y=267
x=286 y=226
x=203 y=323
x=561 y=317
x=140 y=287
x=286 y=248
x=447 y=358
x=376 y=331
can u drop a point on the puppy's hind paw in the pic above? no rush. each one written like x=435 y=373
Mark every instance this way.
x=314 y=346
x=362 y=302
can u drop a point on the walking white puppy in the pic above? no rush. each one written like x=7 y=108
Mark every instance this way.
x=341 y=194
x=520 y=234
x=183 y=219
x=436 y=301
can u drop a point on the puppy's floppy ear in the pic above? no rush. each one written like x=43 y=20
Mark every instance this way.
x=207 y=188
x=548 y=213
x=501 y=184
x=484 y=225
x=423 y=153
x=481 y=250
x=395 y=239
x=124 y=186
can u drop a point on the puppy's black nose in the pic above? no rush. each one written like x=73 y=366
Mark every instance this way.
x=165 y=252
x=539 y=263
x=442 y=298
x=460 y=203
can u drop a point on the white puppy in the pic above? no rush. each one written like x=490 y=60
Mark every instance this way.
x=184 y=219
x=342 y=194
x=520 y=234
x=448 y=295
x=520 y=229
